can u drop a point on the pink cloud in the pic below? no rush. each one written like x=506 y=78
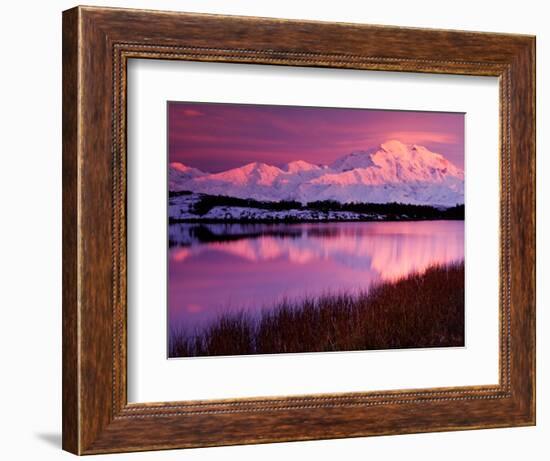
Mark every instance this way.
x=191 y=113
x=419 y=137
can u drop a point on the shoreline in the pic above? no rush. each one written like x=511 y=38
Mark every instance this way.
x=298 y=221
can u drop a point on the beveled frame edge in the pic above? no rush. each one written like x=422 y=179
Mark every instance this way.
x=97 y=42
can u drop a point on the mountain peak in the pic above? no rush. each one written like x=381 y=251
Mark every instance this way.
x=298 y=166
x=178 y=174
x=356 y=159
x=251 y=173
x=185 y=170
x=180 y=167
x=257 y=166
x=394 y=145
x=415 y=159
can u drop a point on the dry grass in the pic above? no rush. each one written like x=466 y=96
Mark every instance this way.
x=421 y=310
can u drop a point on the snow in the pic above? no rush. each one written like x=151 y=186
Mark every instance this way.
x=392 y=172
x=300 y=166
x=181 y=208
x=180 y=174
x=358 y=159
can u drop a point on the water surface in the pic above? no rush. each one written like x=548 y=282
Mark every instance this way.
x=216 y=268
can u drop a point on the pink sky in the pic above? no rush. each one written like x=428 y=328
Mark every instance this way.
x=216 y=137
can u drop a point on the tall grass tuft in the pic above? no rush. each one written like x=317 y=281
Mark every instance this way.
x=421 y=310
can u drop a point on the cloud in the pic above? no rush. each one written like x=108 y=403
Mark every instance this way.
x=191 y=113
x=419 y=137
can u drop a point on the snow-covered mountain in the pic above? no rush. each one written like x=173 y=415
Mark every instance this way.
x=392 y=172
x=179 y=174
x=300 y=167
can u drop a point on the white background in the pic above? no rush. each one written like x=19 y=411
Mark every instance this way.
x=30 y=247
x=153 y=378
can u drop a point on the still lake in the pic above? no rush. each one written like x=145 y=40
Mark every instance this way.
x=216 y=268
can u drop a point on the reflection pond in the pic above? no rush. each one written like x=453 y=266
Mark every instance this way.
x=217 y=268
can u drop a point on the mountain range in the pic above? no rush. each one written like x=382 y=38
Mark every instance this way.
x=391 y=172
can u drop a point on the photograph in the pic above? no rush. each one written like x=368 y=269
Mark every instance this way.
x=311 y=229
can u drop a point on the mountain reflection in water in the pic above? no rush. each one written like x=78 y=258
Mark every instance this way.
x=214 y=268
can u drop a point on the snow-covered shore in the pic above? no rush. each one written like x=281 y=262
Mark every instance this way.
x=182 y=208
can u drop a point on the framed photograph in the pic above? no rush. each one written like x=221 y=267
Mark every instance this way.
x=280 y=230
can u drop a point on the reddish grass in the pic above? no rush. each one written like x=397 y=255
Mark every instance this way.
x=420 y=310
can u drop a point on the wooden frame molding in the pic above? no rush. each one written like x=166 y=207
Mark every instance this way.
x=97 y=44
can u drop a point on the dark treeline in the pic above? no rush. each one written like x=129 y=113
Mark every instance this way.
x=203 y=234
x=207 y=202
x=178 y=193
x=392 y=209
x=389 y=210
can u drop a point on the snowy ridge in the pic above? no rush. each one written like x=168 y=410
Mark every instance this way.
x=178 y=173
x=392 y=172
x=181 y=208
